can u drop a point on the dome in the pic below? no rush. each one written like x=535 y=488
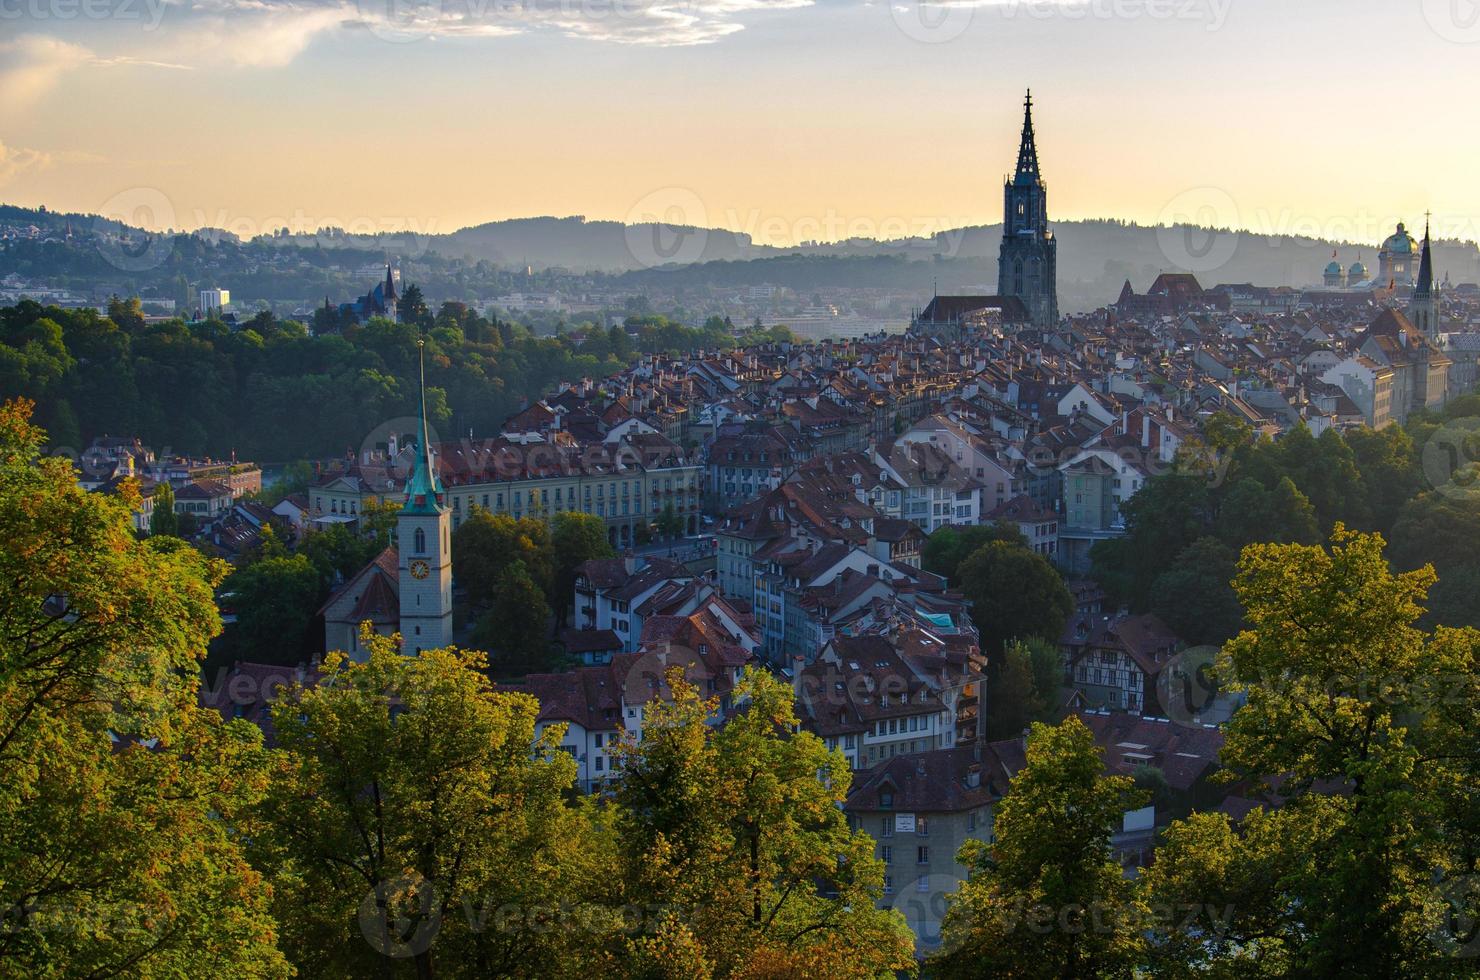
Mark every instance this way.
x=1400 y=243
x=1334 y=269
x=1357 y=272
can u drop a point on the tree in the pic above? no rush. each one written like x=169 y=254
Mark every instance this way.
x=575 y=537
x=1389 y=467
x=1012 y=699
x=949 y=546
x=411 y=307
x=1195 y=596
x=416 y=816
x=1250 y=514
x=276 y=602
x=120 y=801
x=739 y=830
x=1015 y=594
x=1167 y=514
x=516 y=628
x=1048 y=899
x=162 y=519
x=669 y=524
x=1342 y=690
x=485 y=544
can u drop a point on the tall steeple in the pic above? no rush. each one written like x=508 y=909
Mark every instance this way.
x=424 y=544
x=1027 y=263
x=1027 y=166
x=424 y=488
x=1423 y=308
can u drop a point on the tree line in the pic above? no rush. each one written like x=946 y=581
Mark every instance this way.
x=273 y=390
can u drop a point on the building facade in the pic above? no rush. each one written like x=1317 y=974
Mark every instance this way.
x=1027 y=266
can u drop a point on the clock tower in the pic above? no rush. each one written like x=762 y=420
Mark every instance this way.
x=424 y=546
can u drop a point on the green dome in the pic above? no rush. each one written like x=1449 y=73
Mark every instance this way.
x=1334 y=269
x=1400 y=243
x=1357 y=271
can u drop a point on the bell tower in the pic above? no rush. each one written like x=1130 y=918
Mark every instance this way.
x=1027 y=266
x=1423 y=307
x=424 y=545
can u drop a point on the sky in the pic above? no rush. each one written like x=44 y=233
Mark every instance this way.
x=790 y=120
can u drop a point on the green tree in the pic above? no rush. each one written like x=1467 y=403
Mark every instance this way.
x=739 y=831
x=1047 y=898
x=516 y=627
x=1195 y=596
x=416 y=818
x=276 y=602
x=1013 y=701
x=485 y=544
x=1389 y=468
x=121 y=802
x=575 y=537
x=162 y=519
x=1015 y=594
x=949 y=546
x=1342 y=690
x=1251 y=514
x=1167 y=514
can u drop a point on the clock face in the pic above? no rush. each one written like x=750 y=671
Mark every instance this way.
x=420 y=569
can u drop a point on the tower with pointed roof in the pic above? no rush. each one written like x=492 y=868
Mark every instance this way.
x=1423 y=307
x=424 y=545
x=1027 y=266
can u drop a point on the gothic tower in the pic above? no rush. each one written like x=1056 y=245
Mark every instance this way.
x=424 y=541
x=1423 y=308
x=1028 y=264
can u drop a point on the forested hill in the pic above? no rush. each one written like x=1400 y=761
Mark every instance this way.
x=272 y=392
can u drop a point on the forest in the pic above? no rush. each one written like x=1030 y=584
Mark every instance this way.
x=274 y=390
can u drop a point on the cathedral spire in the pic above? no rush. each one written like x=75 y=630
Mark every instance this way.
x=423 y=490
x=1027 y=167
x=1425 y=265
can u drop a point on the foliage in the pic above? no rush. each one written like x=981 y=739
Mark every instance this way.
x=1015 y=594
x=162 y=519
x=276 y=601
x=516 y=628
x=415 y=812
x=1195 y=596
x=738 y=832
x=1047 y=899
x=949 y=546
x=1360 y=714
x=485 y=545
x=575 y=537
x=119 y=799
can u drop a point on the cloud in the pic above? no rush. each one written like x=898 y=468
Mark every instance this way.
x=32 y=64
x=16 y=160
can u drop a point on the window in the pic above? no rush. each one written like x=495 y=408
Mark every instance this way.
x=922 y=854
x=886 y=799
x=421 y=541
x=886 y=853
x=886 y=826
x=888 y=884
x=922 y=826
x=922 y=885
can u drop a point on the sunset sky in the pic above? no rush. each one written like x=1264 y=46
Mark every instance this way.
x=787 y=119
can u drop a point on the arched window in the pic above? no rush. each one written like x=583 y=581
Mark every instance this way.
x=421 y=541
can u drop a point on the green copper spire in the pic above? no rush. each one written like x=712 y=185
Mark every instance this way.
x=424 y=489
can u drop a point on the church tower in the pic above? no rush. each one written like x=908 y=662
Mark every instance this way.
x=1423 y=308
x=1027 y=266
x=424 y=544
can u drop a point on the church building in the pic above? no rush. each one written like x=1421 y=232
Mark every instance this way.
x=1027 y=266
x=408 y=587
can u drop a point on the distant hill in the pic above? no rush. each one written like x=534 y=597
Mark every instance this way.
x=1095 y=257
